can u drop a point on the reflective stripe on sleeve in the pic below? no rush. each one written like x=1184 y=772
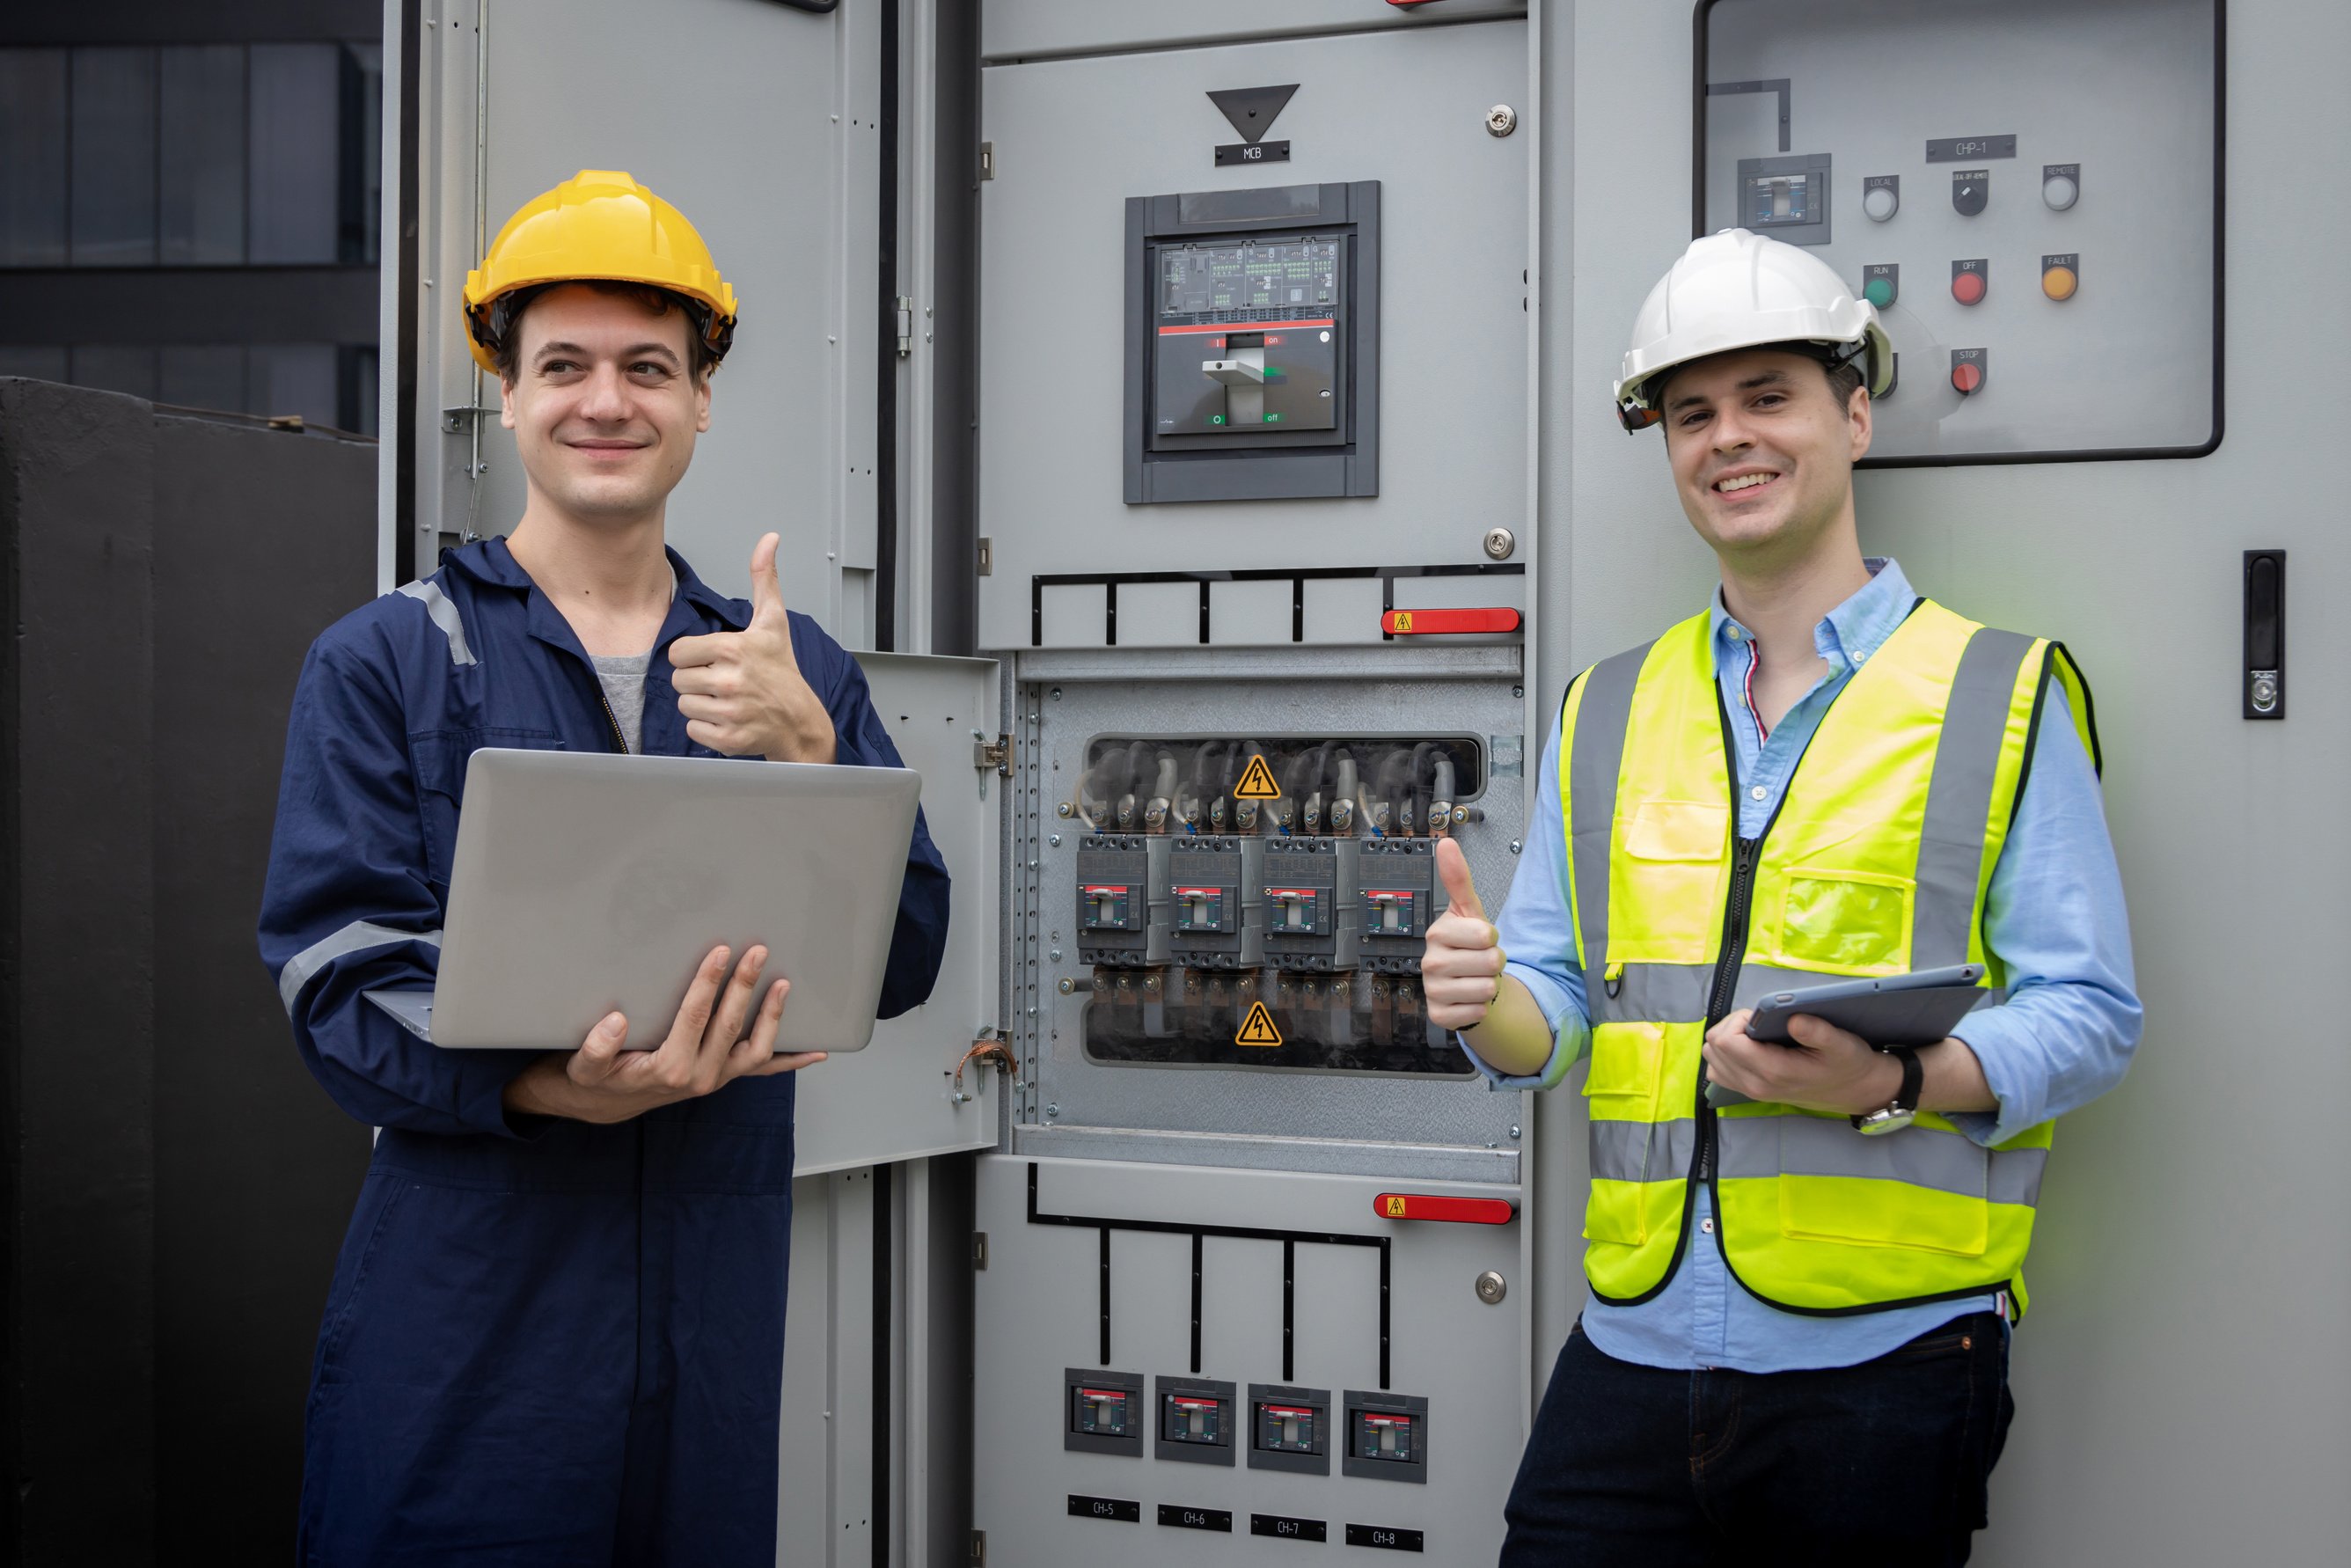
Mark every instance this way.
x=1791 y=1144
x=439 y=606
x=1958 y=796
x=1592 y=769
x=357 y=937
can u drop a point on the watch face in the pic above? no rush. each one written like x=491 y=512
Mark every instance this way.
x=1887 y=1121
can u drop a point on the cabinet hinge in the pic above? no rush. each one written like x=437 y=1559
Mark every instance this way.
x=905 y=326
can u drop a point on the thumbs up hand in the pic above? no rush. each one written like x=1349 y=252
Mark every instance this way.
x=1462 y=967
x=742 y=692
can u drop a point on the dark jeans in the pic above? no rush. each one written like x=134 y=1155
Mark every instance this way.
x=1884 y=1463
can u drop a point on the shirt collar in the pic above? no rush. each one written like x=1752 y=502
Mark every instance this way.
x=489 y=561
x=1851 y=633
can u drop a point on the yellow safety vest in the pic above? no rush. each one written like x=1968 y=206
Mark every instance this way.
x=1876 y=862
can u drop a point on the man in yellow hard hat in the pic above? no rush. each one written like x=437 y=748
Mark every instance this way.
x=556 y=1331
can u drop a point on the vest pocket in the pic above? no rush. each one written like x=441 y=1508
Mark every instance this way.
x=1930 y=1197
x=1621 y=1090
x=1845 y=922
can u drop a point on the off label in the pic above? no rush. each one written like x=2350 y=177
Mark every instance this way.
x=1257 y=1028
x=1257 y=782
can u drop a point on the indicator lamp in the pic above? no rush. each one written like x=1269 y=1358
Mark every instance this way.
x=1879 y=291
x=1969 y=282
x=2059 y=276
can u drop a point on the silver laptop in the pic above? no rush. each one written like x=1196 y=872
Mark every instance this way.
x=584 y=883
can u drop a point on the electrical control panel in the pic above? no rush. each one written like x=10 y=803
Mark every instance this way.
x=2047 y=174
x=1273 y=907
x=1253 y=343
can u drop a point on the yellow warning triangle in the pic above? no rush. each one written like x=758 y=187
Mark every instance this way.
x=1257 y=1028
x=1256 y=784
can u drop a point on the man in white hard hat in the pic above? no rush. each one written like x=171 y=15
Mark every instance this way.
x=1804 y=1259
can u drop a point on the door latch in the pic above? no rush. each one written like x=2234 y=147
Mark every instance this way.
x=990 y=757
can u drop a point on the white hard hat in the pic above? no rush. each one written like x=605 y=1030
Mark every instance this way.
x=1741 y=290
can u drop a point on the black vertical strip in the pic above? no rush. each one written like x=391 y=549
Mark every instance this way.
x=1297 y=610
x=885 y=352
x=1387 y=603
x=1196 y=1244
x=1383 y=1312
x=1698 y=120
x=1105 y=1287
x=1204 y=637
x=885 y=1290
x=1288 y=1311
x=954 y=328
x=403 y=413
x=1110 y=615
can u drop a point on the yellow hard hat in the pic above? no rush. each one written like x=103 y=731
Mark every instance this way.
x=598 y=224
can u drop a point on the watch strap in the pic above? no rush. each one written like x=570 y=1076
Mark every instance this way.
x=1906 y=1098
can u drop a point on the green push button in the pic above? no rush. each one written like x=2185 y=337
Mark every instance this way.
x=1879 y=292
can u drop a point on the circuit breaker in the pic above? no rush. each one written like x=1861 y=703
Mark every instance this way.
x=1253 y=343
x=1273 y=910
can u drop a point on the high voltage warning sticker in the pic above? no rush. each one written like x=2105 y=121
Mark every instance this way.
x=1257 y=1028
x=1256 y=784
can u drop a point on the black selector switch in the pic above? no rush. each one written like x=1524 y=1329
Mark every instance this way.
x=1971 y=189
x=2265 y=634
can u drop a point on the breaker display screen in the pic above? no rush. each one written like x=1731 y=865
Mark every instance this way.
x=1191 y=1418
x=1380 y=1435
x=1248 y=281
x=1099 y=1411
x=1286 y=1429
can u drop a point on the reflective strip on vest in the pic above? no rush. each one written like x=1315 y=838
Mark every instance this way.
x=1959 y=797
x=1596 y=758
x=1792 y=1144
x=356 y=937
x=1677 y=992
x=438 y=605
x=1643 y=1151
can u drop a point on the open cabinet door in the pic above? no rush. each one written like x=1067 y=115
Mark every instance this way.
x=896 y=1099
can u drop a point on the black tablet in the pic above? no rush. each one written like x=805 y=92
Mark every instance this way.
x=1893 y=1009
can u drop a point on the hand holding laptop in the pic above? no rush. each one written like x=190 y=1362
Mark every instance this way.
x=706 y=1049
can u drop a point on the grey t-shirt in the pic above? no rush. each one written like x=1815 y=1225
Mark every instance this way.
x=623 y=679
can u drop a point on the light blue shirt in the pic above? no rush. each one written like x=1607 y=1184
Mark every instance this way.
x=2062 y=1038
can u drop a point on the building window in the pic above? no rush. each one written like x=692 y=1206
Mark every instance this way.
x=324 y=383
x=191 y=155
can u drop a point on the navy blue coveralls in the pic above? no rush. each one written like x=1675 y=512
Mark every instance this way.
x=547 y=1343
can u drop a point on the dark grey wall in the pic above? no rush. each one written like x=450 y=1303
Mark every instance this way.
x=190 y=21
x=178 y=1185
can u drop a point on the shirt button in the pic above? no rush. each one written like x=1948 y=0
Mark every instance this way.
x=1859 y=655
x=1758 y=793
x=1707 y=1225
x=1736 y=634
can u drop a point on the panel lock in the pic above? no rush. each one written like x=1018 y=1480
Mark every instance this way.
x=2264 y=677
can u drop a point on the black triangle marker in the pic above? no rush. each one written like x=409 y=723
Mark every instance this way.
x=1253 y=110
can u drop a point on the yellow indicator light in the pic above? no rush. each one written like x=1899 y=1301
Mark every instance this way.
x=2059 y=282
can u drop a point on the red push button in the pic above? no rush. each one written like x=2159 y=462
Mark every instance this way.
x=1967 y=287
x=1966 y=378
x=1439 y=622
x=1458 y=1210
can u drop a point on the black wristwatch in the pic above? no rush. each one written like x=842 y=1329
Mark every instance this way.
x=1904 y=1107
